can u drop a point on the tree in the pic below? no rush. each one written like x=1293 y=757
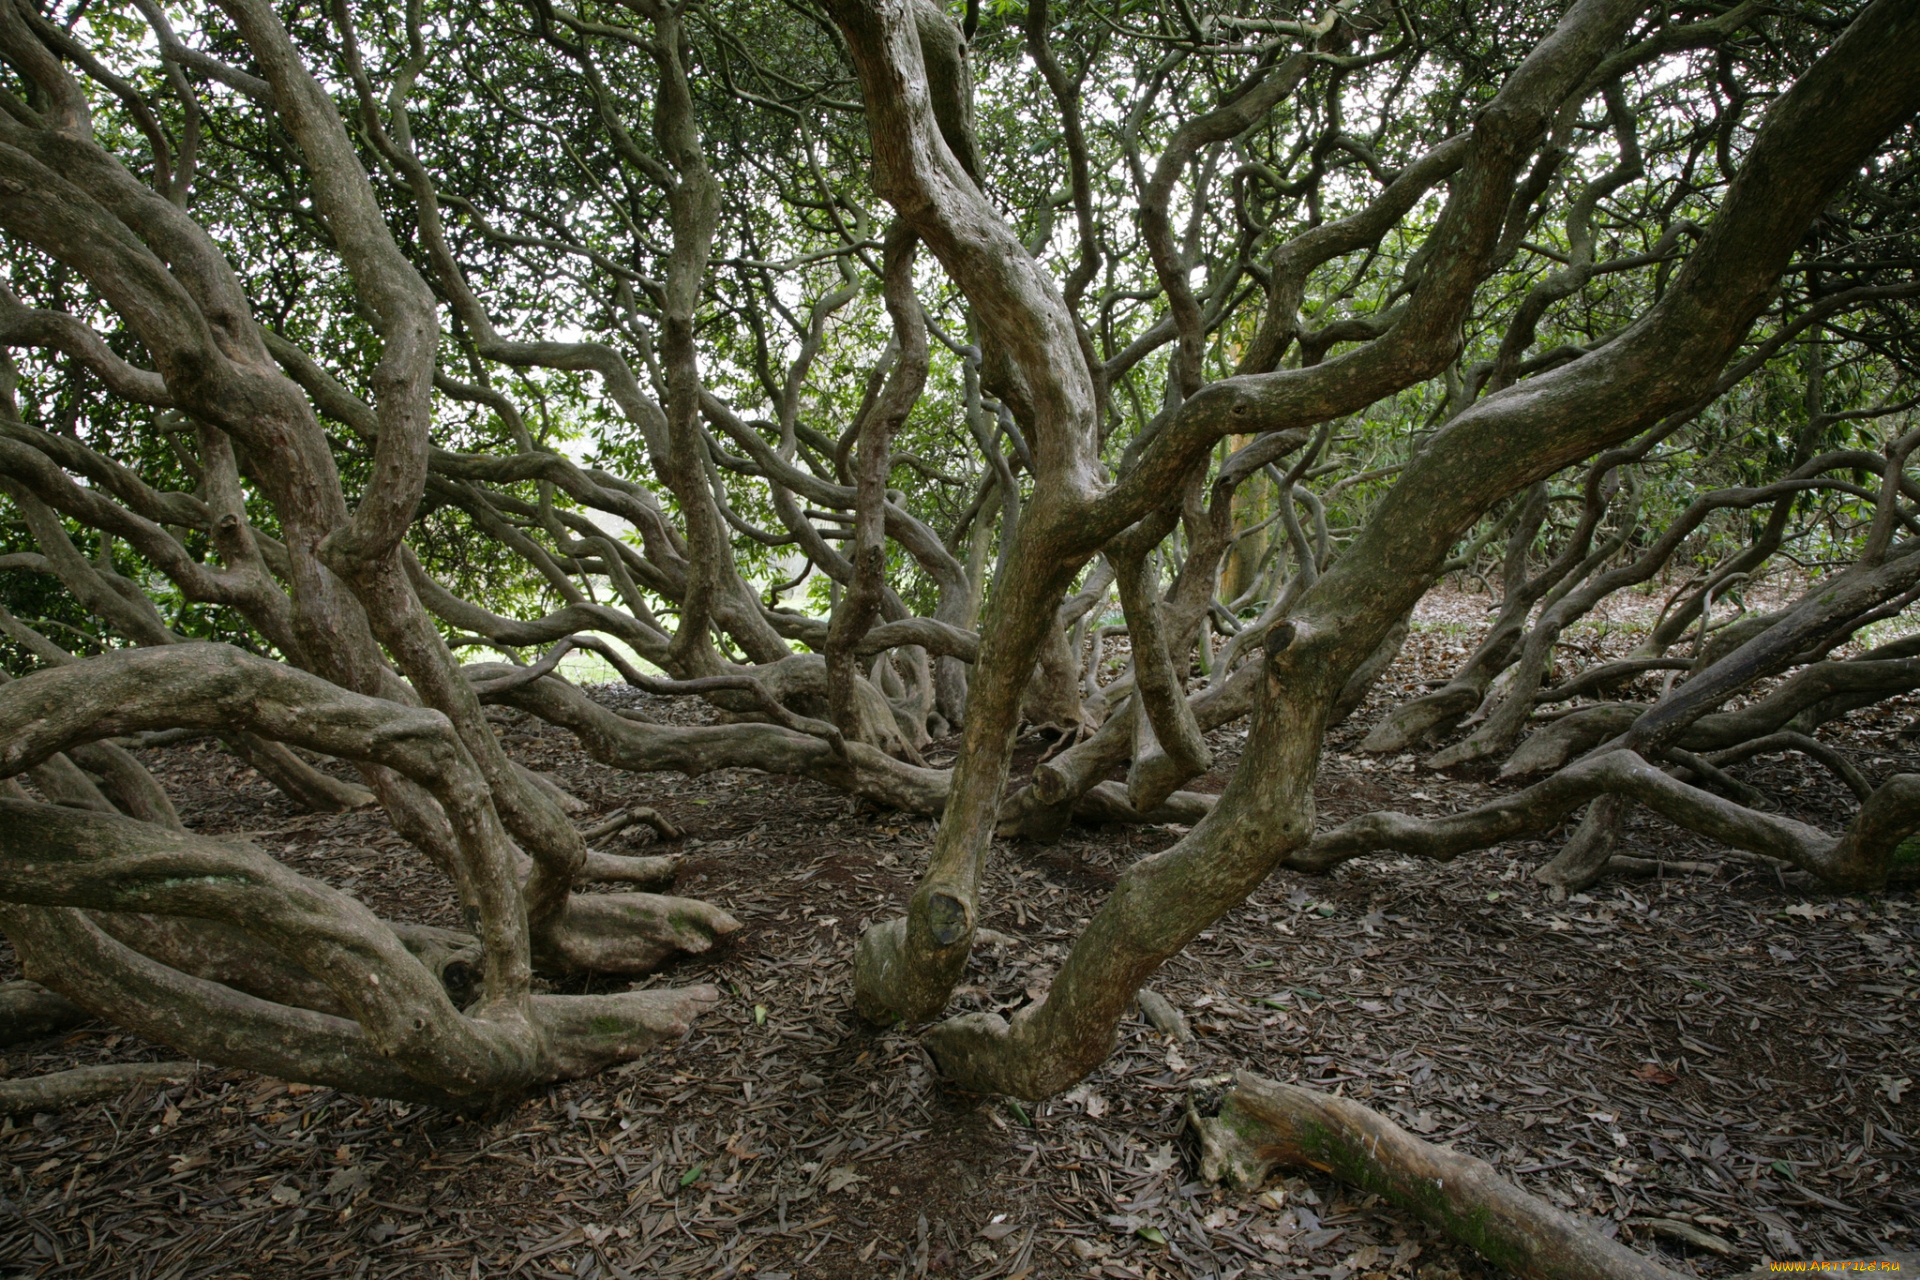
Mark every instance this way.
x=346 y=343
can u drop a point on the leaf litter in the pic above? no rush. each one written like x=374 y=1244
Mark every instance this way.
x=1718 y=1069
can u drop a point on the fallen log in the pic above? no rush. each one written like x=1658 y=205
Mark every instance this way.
x=1263 y=1123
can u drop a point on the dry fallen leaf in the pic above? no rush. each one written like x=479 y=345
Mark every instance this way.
x=1441 y=1005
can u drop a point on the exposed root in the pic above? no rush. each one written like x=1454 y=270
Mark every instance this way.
x=1263 y=1123
x=78 y=1087
x=28 y=1011
x=1425 y=717
x=586 y=1034
x=628 y=933
x=613 y=868
x=1108 y=802
x=1865 y=856
x=1584 y=857
x=620 y=819
x=1629 y=867
x=1565 y=739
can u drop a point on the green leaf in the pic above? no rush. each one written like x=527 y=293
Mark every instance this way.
x=759 y=1015
x=1020 y=1112
x=1153 y=1235
x=686 y=1179
x=1782 y=1168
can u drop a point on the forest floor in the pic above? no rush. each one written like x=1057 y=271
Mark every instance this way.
x=1731 y=1056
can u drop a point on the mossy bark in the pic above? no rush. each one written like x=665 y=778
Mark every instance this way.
x=1263 y=1124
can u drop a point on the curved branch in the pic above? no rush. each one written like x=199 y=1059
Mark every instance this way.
x=1859 y=858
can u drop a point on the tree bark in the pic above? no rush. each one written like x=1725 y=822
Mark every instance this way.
x=28 y=1011
x=76 y=1088
x=1815 y=137
x=1263 y=1123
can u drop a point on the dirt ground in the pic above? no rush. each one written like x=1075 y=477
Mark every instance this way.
x=1728 y=1058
